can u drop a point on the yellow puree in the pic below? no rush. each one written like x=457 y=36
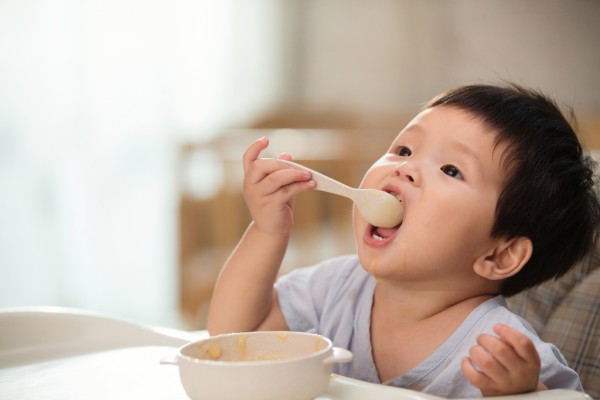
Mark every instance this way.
x=240 y=343
x=213 y=350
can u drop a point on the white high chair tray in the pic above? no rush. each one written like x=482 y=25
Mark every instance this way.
x=67 y=354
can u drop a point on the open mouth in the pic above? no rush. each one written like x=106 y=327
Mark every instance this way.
x=379 y=233
x=377 y=236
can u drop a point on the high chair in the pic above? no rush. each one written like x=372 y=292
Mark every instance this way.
x=55 y=353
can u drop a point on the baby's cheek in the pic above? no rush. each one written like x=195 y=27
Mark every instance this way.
x=358 y=223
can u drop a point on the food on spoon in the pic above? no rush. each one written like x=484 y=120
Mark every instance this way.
x=381 y=209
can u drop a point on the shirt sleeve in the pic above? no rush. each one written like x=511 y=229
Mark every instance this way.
x=304 y=292
x=556 y=374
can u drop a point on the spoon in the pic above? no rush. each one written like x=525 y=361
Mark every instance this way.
x=377 y=207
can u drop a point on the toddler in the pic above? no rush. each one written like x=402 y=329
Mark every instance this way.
x=498 y=197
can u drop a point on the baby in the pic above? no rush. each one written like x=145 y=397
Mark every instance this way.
x=498 y=197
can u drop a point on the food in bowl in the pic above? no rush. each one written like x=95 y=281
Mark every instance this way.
x=258 y=365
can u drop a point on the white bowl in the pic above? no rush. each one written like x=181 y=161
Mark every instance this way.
x=257 y=365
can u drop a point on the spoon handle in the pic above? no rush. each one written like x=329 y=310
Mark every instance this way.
x=325 y=183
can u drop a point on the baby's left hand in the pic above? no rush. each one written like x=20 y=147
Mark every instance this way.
x=508 y=364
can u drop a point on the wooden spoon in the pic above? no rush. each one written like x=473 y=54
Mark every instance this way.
x=377 y=207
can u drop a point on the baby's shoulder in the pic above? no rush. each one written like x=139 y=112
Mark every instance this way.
x=495 y=311
x=342 y=270
x=331 y=278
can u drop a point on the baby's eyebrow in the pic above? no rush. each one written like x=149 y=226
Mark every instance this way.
x=467 y=150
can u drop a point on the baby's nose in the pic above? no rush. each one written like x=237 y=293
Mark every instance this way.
x=406 y=171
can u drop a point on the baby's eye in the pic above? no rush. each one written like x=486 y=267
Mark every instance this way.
x=403 y=151
x=452 y=171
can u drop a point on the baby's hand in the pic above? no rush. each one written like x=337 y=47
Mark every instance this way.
x=508 y=364
x=270 y=187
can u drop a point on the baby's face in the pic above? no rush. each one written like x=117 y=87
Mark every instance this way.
x=446 y=168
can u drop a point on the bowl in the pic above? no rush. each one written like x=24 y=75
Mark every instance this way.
x=257 y=365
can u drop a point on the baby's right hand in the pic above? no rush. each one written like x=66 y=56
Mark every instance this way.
x=270 y=187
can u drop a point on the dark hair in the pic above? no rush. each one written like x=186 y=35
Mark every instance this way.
x=548 y=195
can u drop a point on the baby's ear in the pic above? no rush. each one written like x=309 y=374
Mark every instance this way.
x=505 y=259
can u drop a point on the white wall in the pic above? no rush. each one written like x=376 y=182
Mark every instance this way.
x=383 y=57
x=95 y=98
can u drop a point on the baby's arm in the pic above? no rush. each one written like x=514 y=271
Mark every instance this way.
x=244 y=298
x=508 y=364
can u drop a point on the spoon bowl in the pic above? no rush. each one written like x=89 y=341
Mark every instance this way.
x=377 y=207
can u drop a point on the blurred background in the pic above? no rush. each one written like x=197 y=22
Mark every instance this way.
x=122 y=124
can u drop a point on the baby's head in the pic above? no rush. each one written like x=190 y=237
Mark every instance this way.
x=548 y=194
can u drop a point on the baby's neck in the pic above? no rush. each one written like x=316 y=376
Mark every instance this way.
x=411 y=306
x=423 y=322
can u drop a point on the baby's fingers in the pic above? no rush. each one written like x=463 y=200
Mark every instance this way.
x=268 y=177
x=253 y=151
x=520 y=343
x=501 y=351
x=473 y=375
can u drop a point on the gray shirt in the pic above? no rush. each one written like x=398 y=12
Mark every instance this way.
x=334 y=299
